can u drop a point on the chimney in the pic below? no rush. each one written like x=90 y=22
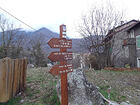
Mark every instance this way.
x=122 y=22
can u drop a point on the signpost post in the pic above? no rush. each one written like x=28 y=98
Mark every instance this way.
x=62 y=57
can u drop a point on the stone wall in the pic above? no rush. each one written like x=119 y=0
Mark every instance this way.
x=133 y=56
x=80 y=91
x=123 y=53
x=120 y=53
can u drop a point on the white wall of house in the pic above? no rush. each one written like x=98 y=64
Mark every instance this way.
x=138 y=49
x=138 y=62
x=138 y=42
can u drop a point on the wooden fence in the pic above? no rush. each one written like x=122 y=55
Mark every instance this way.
x=12 y=77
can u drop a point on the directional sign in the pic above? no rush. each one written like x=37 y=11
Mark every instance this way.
x=63 y=68
x=60 y=43
x=58 y=69
x=60 y=56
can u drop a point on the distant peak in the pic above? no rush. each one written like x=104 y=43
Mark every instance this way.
x=43 y=28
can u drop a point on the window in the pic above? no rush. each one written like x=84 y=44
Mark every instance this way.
x=138 y=62
x=124 y=42
x=132 y=34
x=138 y=42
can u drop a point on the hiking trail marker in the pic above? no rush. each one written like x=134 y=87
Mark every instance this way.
x=60 y=43
x=62 y=56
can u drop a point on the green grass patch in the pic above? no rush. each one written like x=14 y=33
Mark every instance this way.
x=51 y=98
x=12 y=101
x=125 y=71
x=52 y=83
x=113 y=95
x=29 y=79
x=28 y=103
x=29 y=92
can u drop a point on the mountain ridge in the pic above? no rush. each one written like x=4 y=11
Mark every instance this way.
x=47 y=34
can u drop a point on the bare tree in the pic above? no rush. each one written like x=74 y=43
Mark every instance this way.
x=36 y=49
x=95 y=25
x=9 y=38
x=16 y=43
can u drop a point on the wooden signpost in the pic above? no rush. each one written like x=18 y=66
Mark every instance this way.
x=60 y=43
x=58 y=69
x=62 y=56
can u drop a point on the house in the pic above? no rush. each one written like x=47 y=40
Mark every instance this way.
x=122 y=45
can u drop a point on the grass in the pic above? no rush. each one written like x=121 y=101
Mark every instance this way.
x=113 y=95
x=40 y=89
x=41 y=86
x=124 y=85
x=52 y=100
x=13 y=101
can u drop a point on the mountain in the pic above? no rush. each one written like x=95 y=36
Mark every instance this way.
x=47 y=35
x=50 y=34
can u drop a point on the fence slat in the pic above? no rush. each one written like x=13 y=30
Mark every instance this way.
x=25 y=69
x=21 y=74
x=24 y=73
x=3 y=88
x=15 y=80
x=8 y=77
x=18 y=77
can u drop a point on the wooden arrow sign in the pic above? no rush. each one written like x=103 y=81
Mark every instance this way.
x=60 y=43
x=58 y=69
x=60 y=56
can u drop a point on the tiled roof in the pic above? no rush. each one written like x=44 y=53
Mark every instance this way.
x=124 y=27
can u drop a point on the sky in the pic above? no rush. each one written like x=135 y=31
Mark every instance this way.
x=52 y=13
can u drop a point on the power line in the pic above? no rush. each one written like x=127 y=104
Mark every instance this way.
x=20 y=20
x=17 y=19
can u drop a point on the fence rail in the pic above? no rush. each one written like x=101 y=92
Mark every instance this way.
x=12 y=77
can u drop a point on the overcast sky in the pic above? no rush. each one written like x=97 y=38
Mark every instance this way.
x=52 y=13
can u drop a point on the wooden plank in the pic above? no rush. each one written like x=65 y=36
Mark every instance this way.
x=59 y=69
x=60 y=56
x=7 y=77
x=18 y=76
x=10 y=76
x=15 y=80
x=22 y=77
x=3 y=87
x=25 y=71
x=21 y=74
x=60 y=43
x=13 y=67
